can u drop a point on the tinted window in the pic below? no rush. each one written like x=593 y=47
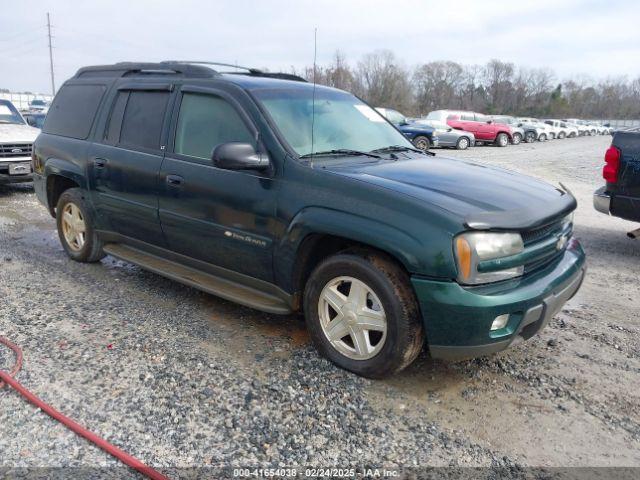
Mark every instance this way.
x=73 y=110
x=206 y=121
x=467 y=117
x=143 y=118
x=112 y=135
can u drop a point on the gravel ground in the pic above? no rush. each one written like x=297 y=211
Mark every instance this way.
x=182 y=379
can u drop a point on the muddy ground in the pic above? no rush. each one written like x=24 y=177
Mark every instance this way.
x=182 y=378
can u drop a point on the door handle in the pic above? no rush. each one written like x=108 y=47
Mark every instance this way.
x=174 y=180
x=100 y=162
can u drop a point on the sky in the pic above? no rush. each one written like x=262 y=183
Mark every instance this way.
x=574 y=38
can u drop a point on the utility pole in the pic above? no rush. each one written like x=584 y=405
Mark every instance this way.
x=53 y=82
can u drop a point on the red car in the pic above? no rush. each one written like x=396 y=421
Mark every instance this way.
x=485 y=129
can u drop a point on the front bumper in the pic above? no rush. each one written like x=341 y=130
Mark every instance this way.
x=458 y=319
x=621 y=206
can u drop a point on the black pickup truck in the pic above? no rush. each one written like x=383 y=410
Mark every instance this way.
x=620 y=197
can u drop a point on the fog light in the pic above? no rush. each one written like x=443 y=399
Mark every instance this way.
x=500 y=322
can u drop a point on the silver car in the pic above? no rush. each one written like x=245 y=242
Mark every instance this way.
x=449 y=137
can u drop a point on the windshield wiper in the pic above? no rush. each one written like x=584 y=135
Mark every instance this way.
x=401 y=148
x=341 y=151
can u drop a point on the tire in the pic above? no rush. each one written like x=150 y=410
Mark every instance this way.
x=561 y=135
x=542 y=137
x=502 y=140
x=530 y=137
x=389 y=295
x=76 y=231
x=421 y=142
x=516 y=139
x=463 y=143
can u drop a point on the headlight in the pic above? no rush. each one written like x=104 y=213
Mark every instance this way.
x=473 y=248
x=568 y=220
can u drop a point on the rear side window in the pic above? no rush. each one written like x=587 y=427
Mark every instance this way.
x=206 y=121
x=468 y=117
x=137 y=118
x=73 y=110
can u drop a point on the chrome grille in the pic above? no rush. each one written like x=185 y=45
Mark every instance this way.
x=10 y=150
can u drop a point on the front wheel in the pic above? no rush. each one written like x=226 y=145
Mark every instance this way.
x=502 y=140
x=76 y=227
x=542 y=137
x=561 y=135
x=362 y=314
x=530 y=137
x=463 y=143
x=421 y=142
x=516 y=139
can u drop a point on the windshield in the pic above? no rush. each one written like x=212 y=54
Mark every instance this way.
x=340 y=122
x=9 y=114
x=38 y=103
x=395 y=117
x=437 y=115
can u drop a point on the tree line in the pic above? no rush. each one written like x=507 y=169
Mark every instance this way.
x=497 y=87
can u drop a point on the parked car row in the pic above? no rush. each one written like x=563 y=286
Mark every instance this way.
x=463 y=129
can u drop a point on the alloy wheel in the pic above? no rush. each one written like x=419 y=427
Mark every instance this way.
x=352 y=318
x=74 y=228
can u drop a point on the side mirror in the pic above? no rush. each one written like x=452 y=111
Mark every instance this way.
x=489 y=121
x=239 y=156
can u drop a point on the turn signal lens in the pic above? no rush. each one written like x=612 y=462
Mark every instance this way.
x=464 y=257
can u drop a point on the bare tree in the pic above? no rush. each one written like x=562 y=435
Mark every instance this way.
x=497 y=87
x=383 y=82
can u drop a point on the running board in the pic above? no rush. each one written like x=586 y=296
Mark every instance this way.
x=206 y=282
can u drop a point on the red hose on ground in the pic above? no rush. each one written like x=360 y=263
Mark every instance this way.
x=7 y=378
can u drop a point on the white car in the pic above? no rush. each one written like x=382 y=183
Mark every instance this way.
x=548 y=132
x=582 y=128
x=566 y=130
x=16 y=143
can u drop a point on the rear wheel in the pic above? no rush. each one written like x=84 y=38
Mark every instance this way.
x=362 y=314
x=421 y=142
x=502 y=140
x=76 y=227
x=542 y=137
x=530 y=137
x=561 y=135
x=516 y=139
x=463 y=143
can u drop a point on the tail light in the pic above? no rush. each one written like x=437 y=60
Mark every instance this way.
x=612 y=165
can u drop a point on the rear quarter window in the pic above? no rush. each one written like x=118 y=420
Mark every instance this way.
x=73 y=111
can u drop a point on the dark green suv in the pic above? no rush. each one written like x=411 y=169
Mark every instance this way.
x=265 y=190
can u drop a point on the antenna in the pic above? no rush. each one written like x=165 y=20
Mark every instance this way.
x=313 y=94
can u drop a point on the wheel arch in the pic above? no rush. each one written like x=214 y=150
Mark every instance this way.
x=316 y=233
x=61 y=175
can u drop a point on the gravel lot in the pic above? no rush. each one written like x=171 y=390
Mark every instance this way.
x=180 y=378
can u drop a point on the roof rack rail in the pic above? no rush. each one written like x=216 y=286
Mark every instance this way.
x=251 y=71
x=122 y=69
x=256 y=71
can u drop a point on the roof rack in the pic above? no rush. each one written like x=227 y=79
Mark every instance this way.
x=123 y=69
x=256 y=72
x=183 y=68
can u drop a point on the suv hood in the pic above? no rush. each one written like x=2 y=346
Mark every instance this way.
x=483 y=197
x=14 y=133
